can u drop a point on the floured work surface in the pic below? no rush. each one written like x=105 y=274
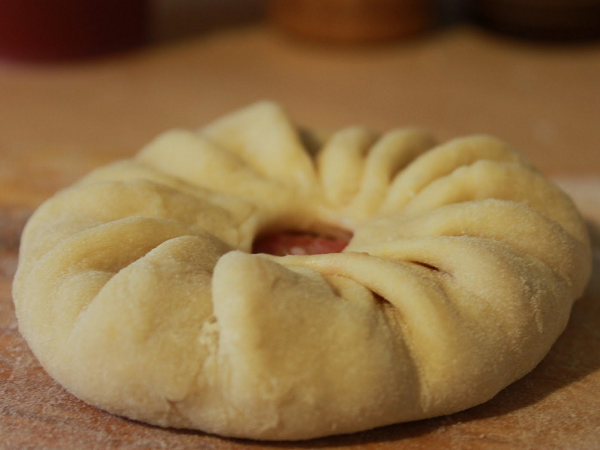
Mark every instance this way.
x=55 y=125
x=555 y=406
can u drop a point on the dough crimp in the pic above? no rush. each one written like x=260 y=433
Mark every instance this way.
x=137 y=291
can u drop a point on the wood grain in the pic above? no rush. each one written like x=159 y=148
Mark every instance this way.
x=57 y=123
x=545 y=100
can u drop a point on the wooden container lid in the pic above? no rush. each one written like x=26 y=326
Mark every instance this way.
x=352 y=21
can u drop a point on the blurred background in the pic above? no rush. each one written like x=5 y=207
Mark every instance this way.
x=86 y=82
x=55 y=29
x=59 y=29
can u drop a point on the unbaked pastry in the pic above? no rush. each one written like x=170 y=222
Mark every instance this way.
x=137 y=289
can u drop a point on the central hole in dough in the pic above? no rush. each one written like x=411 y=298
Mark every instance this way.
x=292 y=242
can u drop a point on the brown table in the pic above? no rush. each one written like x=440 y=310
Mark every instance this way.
x=57 y=123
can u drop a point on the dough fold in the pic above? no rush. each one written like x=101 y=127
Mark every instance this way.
x=137 y=290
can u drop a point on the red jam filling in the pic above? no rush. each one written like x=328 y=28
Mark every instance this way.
x=296 y=243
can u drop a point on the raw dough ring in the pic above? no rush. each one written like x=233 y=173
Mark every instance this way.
x=137 y=292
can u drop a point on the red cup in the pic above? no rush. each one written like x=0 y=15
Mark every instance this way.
x=53 y=30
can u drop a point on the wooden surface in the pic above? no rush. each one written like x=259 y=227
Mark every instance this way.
x=57 y=123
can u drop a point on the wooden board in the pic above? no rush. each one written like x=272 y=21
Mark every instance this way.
x=57 y=123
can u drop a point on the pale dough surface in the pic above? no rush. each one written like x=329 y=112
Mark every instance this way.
x=137 y=292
